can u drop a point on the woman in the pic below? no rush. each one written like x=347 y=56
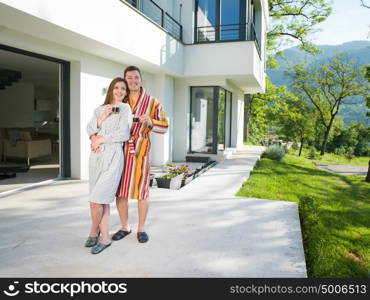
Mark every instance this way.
x=112 y=124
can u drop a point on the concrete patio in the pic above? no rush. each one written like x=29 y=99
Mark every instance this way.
x=201 y=230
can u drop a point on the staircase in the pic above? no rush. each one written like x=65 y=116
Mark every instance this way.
x=7 y=77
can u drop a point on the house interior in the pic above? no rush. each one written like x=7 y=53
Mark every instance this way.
x=29 y=120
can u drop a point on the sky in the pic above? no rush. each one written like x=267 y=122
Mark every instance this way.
x=349 y=21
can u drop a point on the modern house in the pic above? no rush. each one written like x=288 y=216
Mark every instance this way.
x=198 y=57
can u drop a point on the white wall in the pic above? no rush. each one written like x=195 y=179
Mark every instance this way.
x=161 y=151
x=218 y=59
x=16 y=105
x=181 y=115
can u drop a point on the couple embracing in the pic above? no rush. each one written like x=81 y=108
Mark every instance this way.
x=119 y=161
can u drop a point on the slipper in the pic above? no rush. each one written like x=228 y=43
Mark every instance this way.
x=92 y=241
x=120 y=234
x=99 y=248
x=142 y=237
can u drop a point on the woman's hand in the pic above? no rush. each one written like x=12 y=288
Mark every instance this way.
x=95 y=148
x=97 y=139
x=107 y=111
x=146 y=120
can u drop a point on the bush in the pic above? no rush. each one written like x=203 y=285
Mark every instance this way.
x=313 y=231
x=340 y=151
x=349 y=154
x=295 y=146
x=275 y=152
x=174 y=171
x=312 y=153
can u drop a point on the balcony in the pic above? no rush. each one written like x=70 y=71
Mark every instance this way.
x=154 y=12
x=227 y=32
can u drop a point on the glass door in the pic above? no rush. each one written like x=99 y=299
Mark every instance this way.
x=228 y=111
x=210 y=119
x=202 y=118
x=221 y=120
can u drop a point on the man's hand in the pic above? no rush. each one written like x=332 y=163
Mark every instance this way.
x=146 y=120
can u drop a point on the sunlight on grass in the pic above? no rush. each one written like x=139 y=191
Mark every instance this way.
x=334 y=159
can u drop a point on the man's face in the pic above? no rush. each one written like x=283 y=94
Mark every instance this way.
x=134 y=80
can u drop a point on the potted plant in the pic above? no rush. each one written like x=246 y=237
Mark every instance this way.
x=170 y=181
x=173 y=179
x=151 y=180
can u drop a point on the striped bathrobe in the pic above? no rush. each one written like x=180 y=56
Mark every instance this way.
x=136 y=174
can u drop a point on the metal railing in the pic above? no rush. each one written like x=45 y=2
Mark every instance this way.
x=132 y=2
x=153 y=11
x=227 y=32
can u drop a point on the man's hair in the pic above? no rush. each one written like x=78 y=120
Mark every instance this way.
x=132 y=68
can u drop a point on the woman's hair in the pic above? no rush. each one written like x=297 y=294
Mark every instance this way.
x=109 y=96
x=132 y=68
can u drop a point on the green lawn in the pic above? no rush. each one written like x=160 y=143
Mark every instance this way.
x=334 y=159
x=337 y=232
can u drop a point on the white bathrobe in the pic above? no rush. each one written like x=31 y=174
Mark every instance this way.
x=105 y=168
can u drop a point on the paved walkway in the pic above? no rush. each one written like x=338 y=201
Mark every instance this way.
x=201 y=230
x=344 y=170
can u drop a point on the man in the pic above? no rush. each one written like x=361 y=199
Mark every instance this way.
x=149 y=117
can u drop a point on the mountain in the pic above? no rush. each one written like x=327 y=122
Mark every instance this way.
x=358 y=51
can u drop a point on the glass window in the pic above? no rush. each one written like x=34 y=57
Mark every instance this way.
x=206 y=20
x=229 y=19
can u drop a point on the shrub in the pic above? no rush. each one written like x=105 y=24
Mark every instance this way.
x=174 y=171
x=275 y=152
x=313 y=231
x=312 y=153
x=349 y=154
x=340 y=151
x=295 y=146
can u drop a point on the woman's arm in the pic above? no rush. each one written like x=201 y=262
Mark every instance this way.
x=92 y=127
x=122 y=132
x=97 y=120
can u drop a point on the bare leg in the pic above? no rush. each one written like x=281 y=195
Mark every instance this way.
x=122 y=206
x=104 y=225
x=142 y=205
x=96 y=212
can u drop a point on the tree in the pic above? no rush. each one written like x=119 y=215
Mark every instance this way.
x=262 y=109
x=296 y=121
x=294 y=20
x=364 y=4
x=327 y=86
x=367 y=76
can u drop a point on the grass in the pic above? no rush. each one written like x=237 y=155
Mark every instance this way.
x=336 y=229
x=334 y=159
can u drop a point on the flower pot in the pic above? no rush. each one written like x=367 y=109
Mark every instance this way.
x=185 y=181
x=151 y=176
x=172 y=183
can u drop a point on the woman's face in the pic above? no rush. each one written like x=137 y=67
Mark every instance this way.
x=133 y=80
x=119 y=91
